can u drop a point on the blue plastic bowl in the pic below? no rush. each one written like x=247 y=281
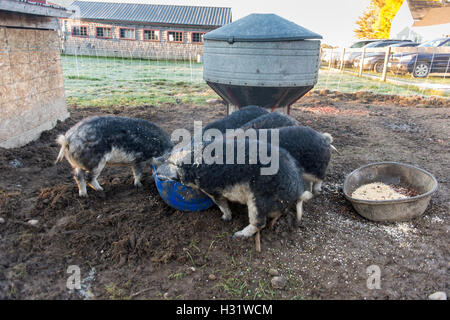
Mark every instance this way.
x=182 y=197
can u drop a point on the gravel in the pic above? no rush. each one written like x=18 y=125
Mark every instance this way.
x=278 y=282
x=274 y=272
x=439 y=295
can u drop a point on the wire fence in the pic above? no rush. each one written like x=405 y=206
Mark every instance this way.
x=136 y=78
x=391 y=70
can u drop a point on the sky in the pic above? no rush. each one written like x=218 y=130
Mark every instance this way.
x=333 y=19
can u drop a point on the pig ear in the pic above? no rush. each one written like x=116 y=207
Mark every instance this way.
x=160 y=160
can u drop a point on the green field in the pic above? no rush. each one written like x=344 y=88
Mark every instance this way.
x=351 y=82
x=103 y=82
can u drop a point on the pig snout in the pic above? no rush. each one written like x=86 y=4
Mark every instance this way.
x=167 y=171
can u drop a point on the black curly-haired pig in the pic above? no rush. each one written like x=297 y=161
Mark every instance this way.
x=236 y=119
x=266 y=195
x=271 y=120
x=107 y=140
x=311 y=149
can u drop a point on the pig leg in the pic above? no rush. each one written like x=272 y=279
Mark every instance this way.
x=299 y=210
x=317 y=187
x=137 y=174
x=304 y=197
x=257 y=221
x=80 y=179
x=309 y=181
x=94 y=175
x=274 y=220
x=222 y=203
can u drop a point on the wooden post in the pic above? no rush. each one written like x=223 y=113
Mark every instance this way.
x=386 y=60
x=331 y=59
x=231 y=108
x=342 y=60
x=361 y=62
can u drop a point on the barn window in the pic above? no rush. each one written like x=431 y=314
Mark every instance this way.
x=126 y=33
x=197 y=37
x=151 y=35
x=102 y=32
x=80 y=31
x=175 y=36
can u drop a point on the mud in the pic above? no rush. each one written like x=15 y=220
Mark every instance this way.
x=130 y=245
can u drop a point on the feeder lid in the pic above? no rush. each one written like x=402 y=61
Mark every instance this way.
x=261 y=27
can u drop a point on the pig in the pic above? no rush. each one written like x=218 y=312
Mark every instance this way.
x=108 y=140
x=270 y=120
x=311 y=150
x=266 y=195
x=237 y=119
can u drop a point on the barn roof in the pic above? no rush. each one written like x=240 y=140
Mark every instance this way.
x=34 y=8
x=434 y=16
x=152 y=13
x=419 y=8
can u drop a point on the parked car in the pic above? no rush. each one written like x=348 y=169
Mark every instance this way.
x=362 y=43
x=350 y=56
x=330 y=54
x=375 y=60
x=421 y=64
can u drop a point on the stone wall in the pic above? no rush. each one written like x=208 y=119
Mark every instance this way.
x=31 y=84
x=135 y=48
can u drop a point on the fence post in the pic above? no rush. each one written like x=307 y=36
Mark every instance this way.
x=342 y=60
x=361 y=62
x=331 y=59
x=386 y=60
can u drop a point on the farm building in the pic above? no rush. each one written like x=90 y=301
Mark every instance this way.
x=139 y=30
x=422 y=20
x=31 y=82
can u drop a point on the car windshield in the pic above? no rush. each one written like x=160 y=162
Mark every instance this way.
x=405 y=44
x=432 y=43
x=359 y=44
x=378 y=44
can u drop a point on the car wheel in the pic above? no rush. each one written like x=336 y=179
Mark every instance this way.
x=421 y=70
x=378 y=67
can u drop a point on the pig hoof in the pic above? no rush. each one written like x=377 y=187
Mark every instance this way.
x=247 y=232
x=82 y=194
x=96 y=187
x=226 y=218
x=239 y=235
x=138 y=185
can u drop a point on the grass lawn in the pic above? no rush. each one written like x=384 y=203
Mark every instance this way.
x=102 y=82
x=349 y=82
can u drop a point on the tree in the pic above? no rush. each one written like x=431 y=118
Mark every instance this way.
x=387 y=13
x=366 y=23
x=375 y=23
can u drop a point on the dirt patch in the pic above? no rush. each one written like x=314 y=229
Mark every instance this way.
x=130 y=244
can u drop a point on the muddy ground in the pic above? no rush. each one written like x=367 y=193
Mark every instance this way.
x=130 y=245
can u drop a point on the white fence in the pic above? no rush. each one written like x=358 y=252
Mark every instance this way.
x=390 y=59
